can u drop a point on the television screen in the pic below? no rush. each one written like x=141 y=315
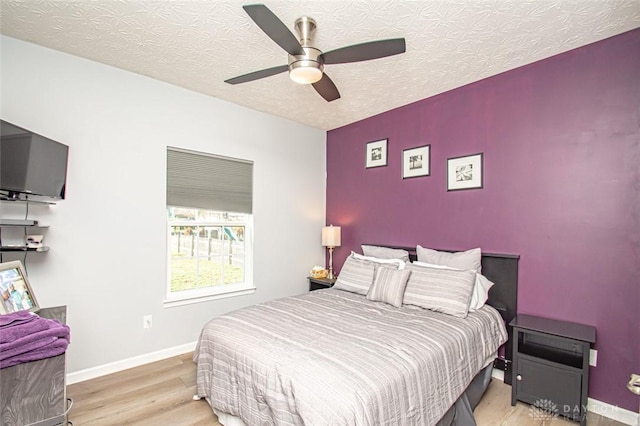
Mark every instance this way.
x=31 y=164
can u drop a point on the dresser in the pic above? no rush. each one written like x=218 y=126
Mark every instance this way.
x=34 y=393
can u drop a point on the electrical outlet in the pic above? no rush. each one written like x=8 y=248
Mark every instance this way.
x=147 y=321
x=593 y=357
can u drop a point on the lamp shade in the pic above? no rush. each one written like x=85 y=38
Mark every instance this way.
x=331 y=236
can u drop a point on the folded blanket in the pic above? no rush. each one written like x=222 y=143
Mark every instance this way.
x=35 y=340
x=20 y=324
x=28 y=337
x=57 y=347
x=16 y=317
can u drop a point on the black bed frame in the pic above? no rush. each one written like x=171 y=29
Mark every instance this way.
x=502 y=270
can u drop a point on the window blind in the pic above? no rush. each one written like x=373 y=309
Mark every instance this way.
x=209 y=182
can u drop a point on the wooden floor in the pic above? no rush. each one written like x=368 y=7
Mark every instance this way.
x=161 y=393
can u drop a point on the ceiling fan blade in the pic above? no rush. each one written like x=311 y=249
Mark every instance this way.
x=257 y=75
x=274 y=28
x=365 y=51
x=327 y=89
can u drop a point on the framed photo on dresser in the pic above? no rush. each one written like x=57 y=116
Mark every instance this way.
x=15 y=291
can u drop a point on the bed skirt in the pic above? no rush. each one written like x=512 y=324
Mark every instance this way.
x=461 y=412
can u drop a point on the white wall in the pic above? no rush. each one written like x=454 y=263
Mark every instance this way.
x=108 y=238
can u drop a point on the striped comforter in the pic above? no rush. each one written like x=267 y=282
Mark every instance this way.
x=331 y=357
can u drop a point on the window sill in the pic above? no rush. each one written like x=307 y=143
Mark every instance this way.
x=181 y=300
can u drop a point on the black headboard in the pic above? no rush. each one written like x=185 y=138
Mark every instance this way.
x=502 y=270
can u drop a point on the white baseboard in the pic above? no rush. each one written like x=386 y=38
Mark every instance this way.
x=593 y=405
x=498 y=374
x=136 y=361
x=613 y=412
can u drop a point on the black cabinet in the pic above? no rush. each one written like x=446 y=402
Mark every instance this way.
x=320 y=283
x=551 y=365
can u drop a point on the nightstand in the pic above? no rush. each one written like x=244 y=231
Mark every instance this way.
x=551 y=365
x=319 y=283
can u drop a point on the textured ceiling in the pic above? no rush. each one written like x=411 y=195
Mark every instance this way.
x=197 y=44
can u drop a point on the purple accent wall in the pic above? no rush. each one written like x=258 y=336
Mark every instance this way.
x=561 y=144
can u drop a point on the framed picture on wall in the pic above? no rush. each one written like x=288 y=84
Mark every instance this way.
x=15 y=291
x=376 y=153
x=464 y=172
x=416 y=162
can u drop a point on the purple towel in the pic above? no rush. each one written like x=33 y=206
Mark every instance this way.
x=14 y=326
x=57 y=347
x=13 y=318
x=25 y=337
x=35 y=340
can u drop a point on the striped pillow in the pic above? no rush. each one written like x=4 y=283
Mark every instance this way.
x=467 y=260
x=440 y=290
x=388 y=286
x=385 y=252
x=355 y=276
x=395 y=263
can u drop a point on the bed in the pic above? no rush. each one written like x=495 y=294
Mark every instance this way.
x=333 y=357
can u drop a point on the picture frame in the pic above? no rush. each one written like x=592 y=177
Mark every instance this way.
x=376 y=154
x=416 y=162
x=15 y=291
x=465 y=172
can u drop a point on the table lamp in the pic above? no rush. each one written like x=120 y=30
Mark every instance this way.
x=331 y=239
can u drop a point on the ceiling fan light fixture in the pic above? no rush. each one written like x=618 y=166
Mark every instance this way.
x=305 y=74
x=307 y=68
x=306 y=62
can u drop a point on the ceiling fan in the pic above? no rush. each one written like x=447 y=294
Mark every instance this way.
x=306 y=62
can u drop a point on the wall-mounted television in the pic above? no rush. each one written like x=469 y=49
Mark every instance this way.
x=31 y=164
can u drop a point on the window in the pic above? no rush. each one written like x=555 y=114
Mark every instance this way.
x=209 y=203
x=208 y=250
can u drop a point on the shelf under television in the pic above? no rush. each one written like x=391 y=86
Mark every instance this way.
x=15 y=225
x=6 y=249
x=5 y=198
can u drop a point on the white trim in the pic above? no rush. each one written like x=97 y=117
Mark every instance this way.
x=593 y=405
x=613 y=412
x=204 y=298
x=136 y=361
x=498 y=374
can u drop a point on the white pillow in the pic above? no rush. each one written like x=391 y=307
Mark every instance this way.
x=385 y=252
x=480 y=292
x=470 y=260
x=399 y=264
x=481 y=286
